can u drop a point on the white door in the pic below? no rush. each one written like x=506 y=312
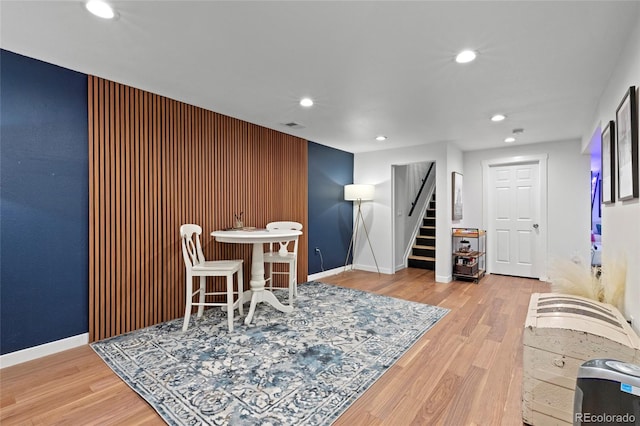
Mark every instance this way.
x=514 y=212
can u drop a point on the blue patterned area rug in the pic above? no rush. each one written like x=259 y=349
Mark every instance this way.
x=306 y=367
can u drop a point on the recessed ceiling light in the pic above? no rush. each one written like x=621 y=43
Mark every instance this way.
x=381 y=138
x=510 y=139
x=100 y=9
x=465 y=56
x=498 y=117
x=306 y=102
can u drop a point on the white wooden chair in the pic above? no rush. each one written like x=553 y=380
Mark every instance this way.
x=197 y=266
x=279 y=253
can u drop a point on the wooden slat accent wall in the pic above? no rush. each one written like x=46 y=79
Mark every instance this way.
x=156 y=163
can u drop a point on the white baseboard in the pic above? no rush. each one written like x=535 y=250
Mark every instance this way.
x=369 y=268
x=444 y=278
x=341 y=269
x=28 y=354
x=328 y=273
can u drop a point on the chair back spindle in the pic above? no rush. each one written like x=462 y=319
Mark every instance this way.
x=191 y=247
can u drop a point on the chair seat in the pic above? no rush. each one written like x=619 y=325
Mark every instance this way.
x=218 y=265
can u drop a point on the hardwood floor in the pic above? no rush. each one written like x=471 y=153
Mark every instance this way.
x=466 y=370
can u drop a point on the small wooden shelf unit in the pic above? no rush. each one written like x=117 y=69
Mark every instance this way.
x=469 y=248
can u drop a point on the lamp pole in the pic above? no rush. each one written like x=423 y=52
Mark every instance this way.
x=354 y=236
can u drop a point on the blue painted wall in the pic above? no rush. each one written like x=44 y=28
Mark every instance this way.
x=330 y=217
x=43 y=203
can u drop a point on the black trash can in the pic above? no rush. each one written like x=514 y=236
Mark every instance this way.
x=607 y=393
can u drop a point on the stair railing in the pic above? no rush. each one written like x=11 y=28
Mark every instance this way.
x=424 y=181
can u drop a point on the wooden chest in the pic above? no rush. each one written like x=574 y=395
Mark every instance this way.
x=561 y=332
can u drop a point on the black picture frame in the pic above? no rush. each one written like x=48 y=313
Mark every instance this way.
x=608 y=163
x=456 y=196
x=627 y=146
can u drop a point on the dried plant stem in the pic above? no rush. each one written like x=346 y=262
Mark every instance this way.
x=569 y=277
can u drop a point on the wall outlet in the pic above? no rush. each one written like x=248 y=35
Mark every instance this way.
x=317 y=250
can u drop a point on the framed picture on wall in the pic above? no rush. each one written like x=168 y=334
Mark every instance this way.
x=456 y=196
x=608 y=163
x=627 y=137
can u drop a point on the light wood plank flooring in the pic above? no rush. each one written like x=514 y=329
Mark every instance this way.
x=467 y=370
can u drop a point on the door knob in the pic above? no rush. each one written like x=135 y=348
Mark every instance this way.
x=535 y=226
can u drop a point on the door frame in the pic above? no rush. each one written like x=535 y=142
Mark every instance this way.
x=541 y=249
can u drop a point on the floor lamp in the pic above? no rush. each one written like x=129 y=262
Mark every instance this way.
x=359 y=193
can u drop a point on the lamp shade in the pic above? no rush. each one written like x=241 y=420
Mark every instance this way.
x=358 y=192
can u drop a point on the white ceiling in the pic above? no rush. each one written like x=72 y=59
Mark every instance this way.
x=371 y=67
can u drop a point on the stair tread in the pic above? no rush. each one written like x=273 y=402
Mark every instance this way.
x=428 y=227
x=415 y=257
x=420 y=246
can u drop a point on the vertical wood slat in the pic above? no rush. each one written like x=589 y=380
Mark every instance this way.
x=156 y=163
x=101 y=303
x=92 y=199
x=138 y=308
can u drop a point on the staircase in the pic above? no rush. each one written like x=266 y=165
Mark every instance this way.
x=423 y=252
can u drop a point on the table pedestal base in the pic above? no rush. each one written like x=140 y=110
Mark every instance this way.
x=258 y=293
x=263 y=296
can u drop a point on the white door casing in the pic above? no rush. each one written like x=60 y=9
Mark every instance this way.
x=514 y=198
x=513 y=209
